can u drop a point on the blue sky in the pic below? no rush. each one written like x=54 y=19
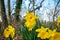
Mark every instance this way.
x=47 y=4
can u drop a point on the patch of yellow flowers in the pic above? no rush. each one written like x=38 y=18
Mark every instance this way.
x=46 y=33
x=30 y=20
x=43 y=33
x=9 y=31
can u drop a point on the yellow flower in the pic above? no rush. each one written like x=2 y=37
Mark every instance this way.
x=9 y=31
x=41 y=29
x=30 y=16
x=12 y=34
x=30 y=24
x=58 y=21
x=6 y=33
x=52 y=32
x=12 y=30
x=55 y=37
x=42 y=33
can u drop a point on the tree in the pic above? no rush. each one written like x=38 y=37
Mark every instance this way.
x=9 y=12
x=17 y=10
x=3 y=15
x=55 y=11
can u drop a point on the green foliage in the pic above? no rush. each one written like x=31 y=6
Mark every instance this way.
x=29 y=35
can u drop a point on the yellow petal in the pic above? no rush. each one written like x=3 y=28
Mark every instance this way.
x=38 y=30
x=6 y=33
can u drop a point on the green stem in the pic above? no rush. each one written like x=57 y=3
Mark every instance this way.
x=10 y=38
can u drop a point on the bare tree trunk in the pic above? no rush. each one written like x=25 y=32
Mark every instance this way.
x=17 y=10
x=53 y=18
x=9 y=12
x=3 y=15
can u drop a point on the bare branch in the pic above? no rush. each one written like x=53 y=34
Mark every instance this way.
x=56 y=8
x=38 y=6
x=29 y=4
x=13 y=7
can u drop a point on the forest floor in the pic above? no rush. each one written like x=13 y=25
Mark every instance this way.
x=17 y=37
